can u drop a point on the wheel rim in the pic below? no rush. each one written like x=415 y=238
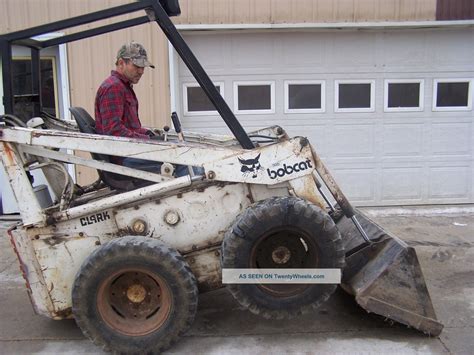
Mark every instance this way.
x=286 y=247
x=134 y=301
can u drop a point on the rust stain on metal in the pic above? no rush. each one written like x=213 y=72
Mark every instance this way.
x=122 y=232
x=249 y=195
x=310 y=193
x=23 y=267
x=8 y=152
x=54 y=240
x=206 y=266
x=64 y=313
x=198 y=250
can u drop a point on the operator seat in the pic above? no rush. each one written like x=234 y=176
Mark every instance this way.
x=86 y=124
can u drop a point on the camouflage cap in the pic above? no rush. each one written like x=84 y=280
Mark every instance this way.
x=136 y=52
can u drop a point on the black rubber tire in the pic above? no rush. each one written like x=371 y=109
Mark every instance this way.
x=161 y=268
x=288 y=220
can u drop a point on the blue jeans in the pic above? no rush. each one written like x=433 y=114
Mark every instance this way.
x=155 y=167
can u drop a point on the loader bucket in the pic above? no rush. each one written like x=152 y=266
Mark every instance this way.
x=385 y=276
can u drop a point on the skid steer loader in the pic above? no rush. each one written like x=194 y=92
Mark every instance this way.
x=128 y=255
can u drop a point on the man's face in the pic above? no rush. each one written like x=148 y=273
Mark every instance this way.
x=130 y=71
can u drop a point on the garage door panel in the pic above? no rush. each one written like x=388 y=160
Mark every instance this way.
x=309 y=50
x=447 y=51
x=349 y=49
x=449 y=182
x=358 y=184
x=403 y=183
x=200 y=46
x=401 y=50
x=402 y=140
x=252 y=51
x=353 y=141
x=451 y=139
x=203 y=122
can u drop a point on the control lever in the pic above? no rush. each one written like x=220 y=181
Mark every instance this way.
x=179 y=132
x=177 y=126
x=166 y=129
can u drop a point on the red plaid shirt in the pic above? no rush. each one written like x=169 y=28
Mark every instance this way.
x=116 y=108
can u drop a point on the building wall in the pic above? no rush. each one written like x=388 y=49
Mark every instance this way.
x=301 y=11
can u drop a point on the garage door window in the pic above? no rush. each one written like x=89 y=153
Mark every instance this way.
x=304 y=96
x=196 y=101
x=403 y=95
x=354 y=95
x=452 y=95
x=254 y=97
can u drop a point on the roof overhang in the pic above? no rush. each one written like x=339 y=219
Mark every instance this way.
x=329 y=26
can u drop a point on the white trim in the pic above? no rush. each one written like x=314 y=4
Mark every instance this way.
x=453 y=108
x=287 y=83
x=173 y=64
x=326 y=26
x=404 y=109
x=171 y=77
x=2 y=108
x=355 y=109
x=66 y=98
x=271 y=83
x=199 y=113
x=64 y=75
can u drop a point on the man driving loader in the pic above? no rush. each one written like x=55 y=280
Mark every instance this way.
x=116 y=105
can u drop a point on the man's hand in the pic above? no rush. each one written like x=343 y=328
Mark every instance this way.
x=150 y=133
x=155 y=135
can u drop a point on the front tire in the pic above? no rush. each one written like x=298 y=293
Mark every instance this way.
x=282 y=232
x=134 y=295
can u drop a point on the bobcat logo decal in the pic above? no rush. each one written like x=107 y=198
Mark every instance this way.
x=250 y=166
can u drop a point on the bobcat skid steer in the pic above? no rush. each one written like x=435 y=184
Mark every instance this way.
x=128 y=255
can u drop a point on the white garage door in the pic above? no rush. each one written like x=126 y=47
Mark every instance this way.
x=390 y=112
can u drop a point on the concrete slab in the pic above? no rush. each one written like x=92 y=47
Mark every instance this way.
x=340 y=342
x=459 y=340
x=444 y=245
x=49 y=347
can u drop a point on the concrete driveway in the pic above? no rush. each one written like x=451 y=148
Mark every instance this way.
x=445 y=246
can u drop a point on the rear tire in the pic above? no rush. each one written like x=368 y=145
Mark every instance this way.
x=134 y=295
x=282 y=232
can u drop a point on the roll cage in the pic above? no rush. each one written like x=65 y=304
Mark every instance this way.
x=158 y=11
